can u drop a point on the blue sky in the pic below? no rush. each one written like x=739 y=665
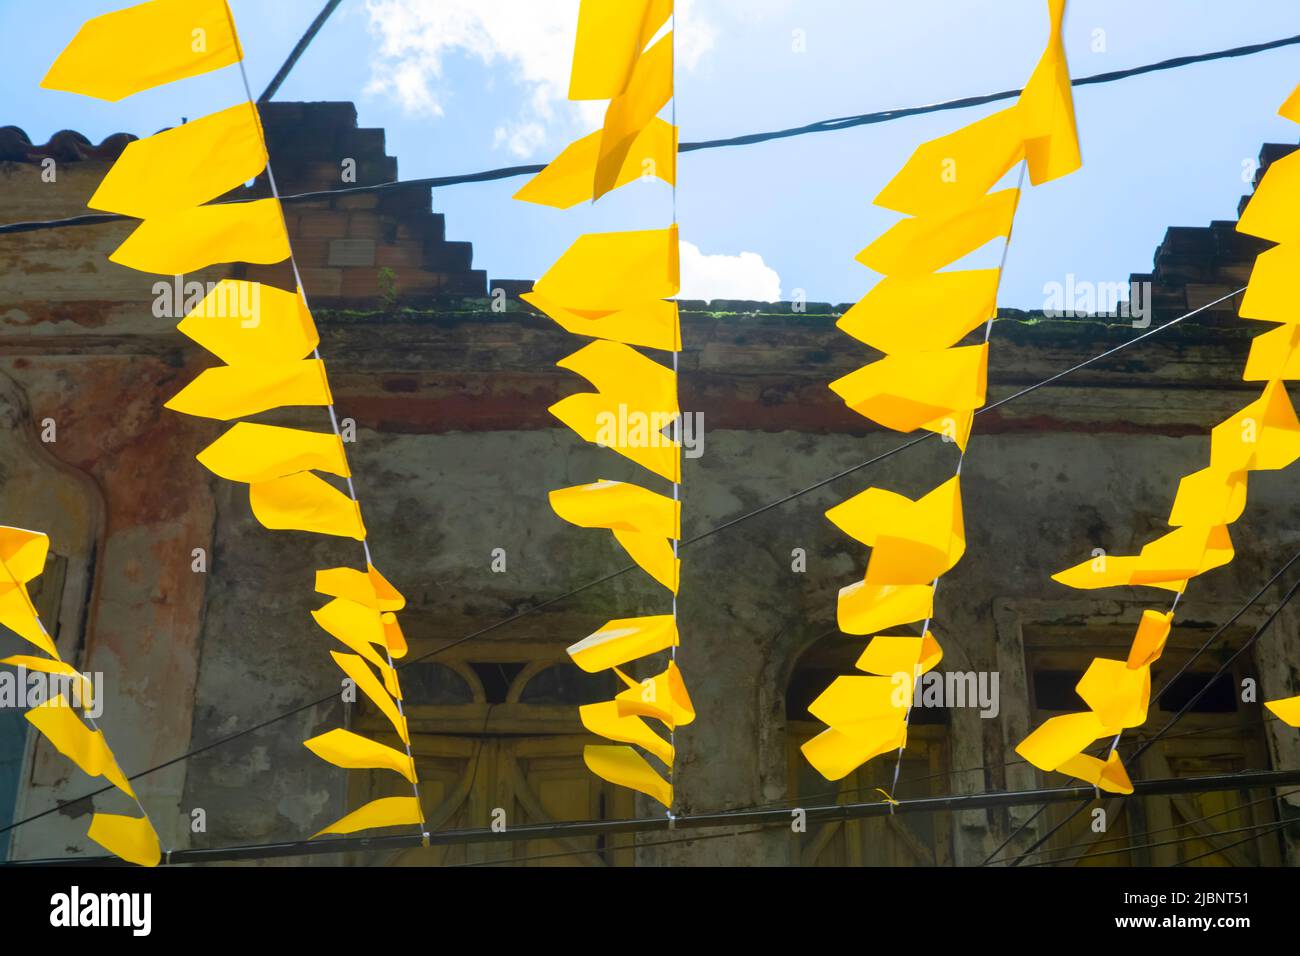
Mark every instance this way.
x=462 y=85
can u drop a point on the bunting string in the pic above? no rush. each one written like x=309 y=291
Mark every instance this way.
x=1263 y=436
x=266 y=338
x=618 y=289
x=927 y=380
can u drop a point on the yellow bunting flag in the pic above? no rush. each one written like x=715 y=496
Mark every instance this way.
x=570 y=178
x=1288 y=710
x=184 y=167
x=1108 y=775
x=624 y=640
x=131 y=838
x=304 y=502
x=919 y=316
x=60 y=725
x=612 y=34
x=368 y=684
x=354 y=752
x=252 y=324
x=384 y=812
x=624 y=767
x=642 y=521
x=193 y=239
x=140 y=47
x=233 y=391
x=252 y=453
x=611 y=271
x=605 y=720
x=1149 y=642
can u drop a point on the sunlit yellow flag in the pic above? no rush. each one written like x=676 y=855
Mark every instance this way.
x=304 y=502
x=1209 y=497
x=623 y=640
x=917 y=390
x=124 y=52
x=196 y=238
x=652 y=323
x=249 y=452
x=384 y=812
x=1291 y=108
x=1288 y=709
x=18 y=614
x=867 y=708
x=570 y=177
x=368 y=684
x=642 y=521
x=357 y=627
x=624 y=767
x=1108 y=775
x=604 y=720
x=131 y=838
x=890 y=654
x=351 y=751
x=925 y=244
x=871 y=608
x=1047 y=110
x=1263 y=436
x=1061 y=738
x=611 y=271
x=233 y=391
x=1149 y=641
x=632 y=111
x=1116 y=693
x=23 y=553
x=1274 y=355
x=923 y=313
x=636 y=400
x=835 y=755
x=1270 y=296
x=662 y=697
x=1168 y=562
x=252 y=323
x=60 y=725
x=914 y=541
x=611 y=37
x=1272 y=212
x=369 y=587
x=51 y=665
x=186 y=166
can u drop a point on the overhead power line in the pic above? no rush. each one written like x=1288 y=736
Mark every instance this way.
x=519 y=615
x=299 y=49
x=746 y=139
x=703 y=821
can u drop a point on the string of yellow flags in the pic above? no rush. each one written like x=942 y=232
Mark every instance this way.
x=928 y=380
x=616 y=289
x=22 y=559
x=1263 y=436
x=271 y=357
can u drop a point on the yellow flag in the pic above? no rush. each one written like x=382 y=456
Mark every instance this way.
x=835 y=755
x=250 y=452
x=1263 y=436
x=131 y=838
x=233 y=391
x=351 y=751
x=1291 y=108
x=50 y=665
x=23 y=552
x=890 y=654
x=1149 y=642
x=1271 y=293
x=251 y=323
x=1108 y=775
x=144 y=46
x=925 y=244
x=570 y=177
x=871 y=608
x=642 y=522
x=186 y=166
x=1047 y=109
x=653 y=323
x=194 y=239
x=624 y=767
x=86 y=748
x=1168 y=562
x=865 y=707
x=914 y=542
x=1209 y=497
x=631 y=112
x=368 y=684
x=611 y=36
x=368 y=588
x=612 y=271
x=662 y=697
x=1287 y=710
x=304 y=502
x=1272 y=212
x=605 y=721
x=1116 y=693
x=356 y=626
x=624 y=640
x=1274 y=355
x=18 y=614
x=917 y=390
x=923 y=313
x=384 y=812
x=1061 y=738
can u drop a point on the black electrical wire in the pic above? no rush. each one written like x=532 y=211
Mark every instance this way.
x=299 y=49
x=747 y=139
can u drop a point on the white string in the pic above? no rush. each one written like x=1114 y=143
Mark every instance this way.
x=677 y=438
x=334 y=420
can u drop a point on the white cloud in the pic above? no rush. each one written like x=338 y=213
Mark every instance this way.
x=534 y=38
x=745 y=276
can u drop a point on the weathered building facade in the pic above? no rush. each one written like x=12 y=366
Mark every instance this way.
x=198 y=617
